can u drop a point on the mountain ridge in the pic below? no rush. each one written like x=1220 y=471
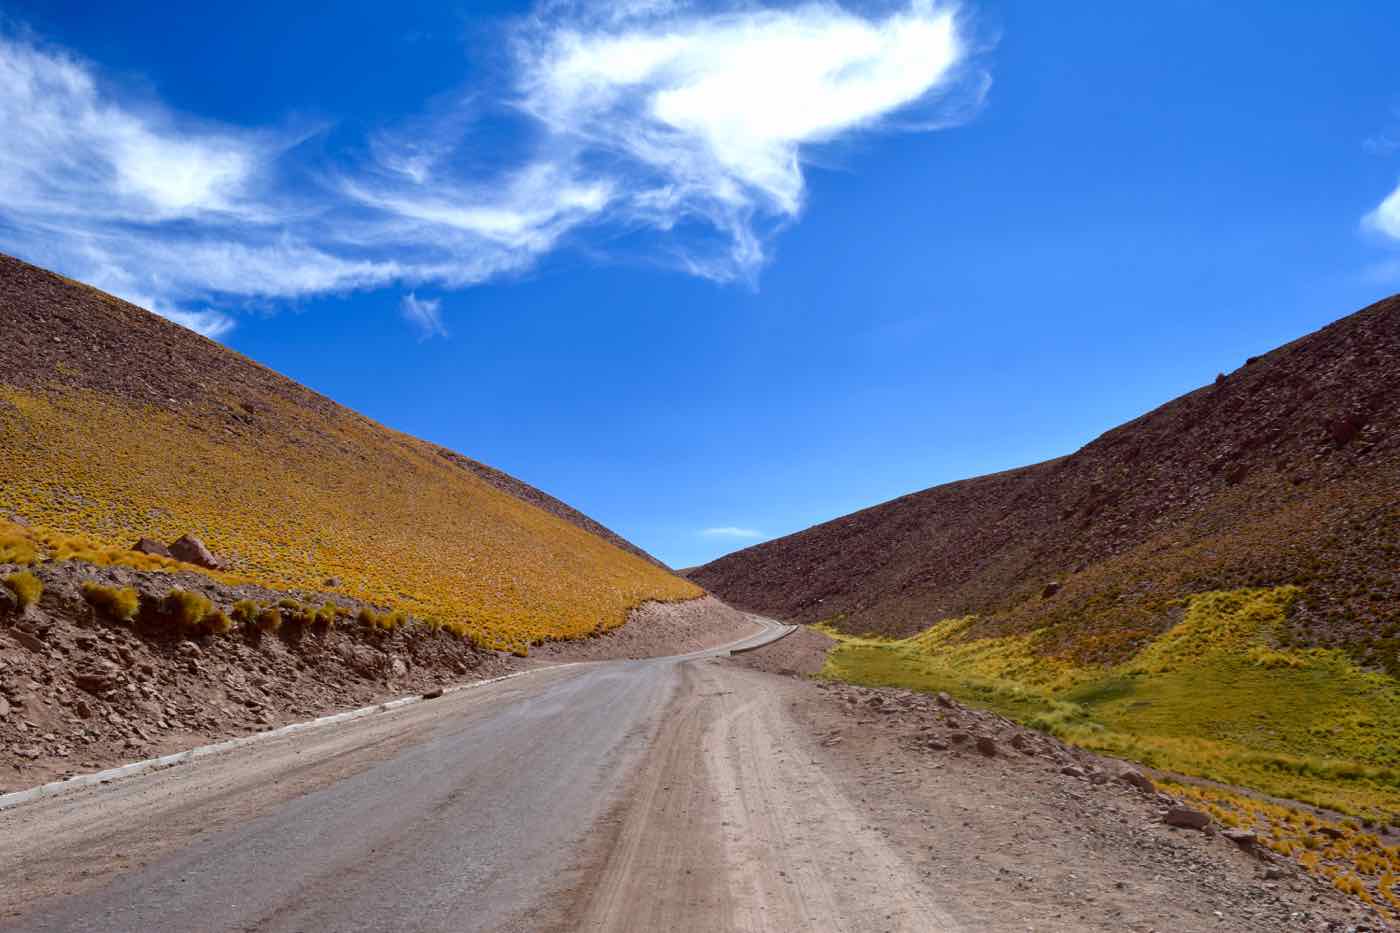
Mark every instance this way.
x=1285 y=471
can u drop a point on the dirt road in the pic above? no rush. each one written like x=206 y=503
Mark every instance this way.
x=682 y=794
x=491 y=809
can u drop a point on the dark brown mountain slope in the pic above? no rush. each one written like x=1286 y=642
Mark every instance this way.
x=1286 y=471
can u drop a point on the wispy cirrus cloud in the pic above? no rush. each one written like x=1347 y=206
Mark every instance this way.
x=690 y=125
x=424 y=313
x=731 y=531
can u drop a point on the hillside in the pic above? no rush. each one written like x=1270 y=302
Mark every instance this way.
x=116 y=424
x=1212 y=588
x=1286 y=471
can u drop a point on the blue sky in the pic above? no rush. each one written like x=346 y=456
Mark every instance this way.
x=716 y=273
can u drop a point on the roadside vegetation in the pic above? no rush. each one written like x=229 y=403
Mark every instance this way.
x=1219 y=695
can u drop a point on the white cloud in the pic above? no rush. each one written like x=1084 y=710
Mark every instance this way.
x=709 y=116
x=424 y=313
x=646 y=115
x=1385 y=219
x=729 y=531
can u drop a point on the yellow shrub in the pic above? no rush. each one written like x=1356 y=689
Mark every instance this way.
x=26 y=587
x=245 y=612
x=269 y=619
x=119 y=604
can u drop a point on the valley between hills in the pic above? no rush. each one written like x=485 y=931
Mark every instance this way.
x=1153 y=684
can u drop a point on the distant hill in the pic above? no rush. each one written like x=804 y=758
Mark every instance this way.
x=117 y=424
x=1285 y=471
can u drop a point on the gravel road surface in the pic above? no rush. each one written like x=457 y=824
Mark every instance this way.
x=522 y=805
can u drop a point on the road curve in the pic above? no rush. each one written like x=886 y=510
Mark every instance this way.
x=489 y=809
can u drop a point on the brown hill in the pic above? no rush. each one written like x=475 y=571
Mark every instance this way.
x=116 y=424
x=1286 y=471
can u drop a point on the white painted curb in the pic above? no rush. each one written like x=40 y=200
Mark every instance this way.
x=8 y=801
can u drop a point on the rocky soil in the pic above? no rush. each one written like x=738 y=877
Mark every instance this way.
x=1051 y=834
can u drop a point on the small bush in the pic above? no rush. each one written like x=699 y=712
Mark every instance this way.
x=195 y=613
x=26 y=587
x=119 y=604
x=369 y=618
x=16 y=548
x=326 y=616
x=187 y=609
x=269 y=619
x=287 y=603
x=245 y=612
x=215 y=623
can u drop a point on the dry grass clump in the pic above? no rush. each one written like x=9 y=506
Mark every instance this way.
x=26 y=587
x=120 y=604
x=268 y=620
x=15 y=545
x=245 y=612
x=194 y=614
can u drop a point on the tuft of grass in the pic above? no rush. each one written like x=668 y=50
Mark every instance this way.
x=26 y=587
x=16 y=547
x=245 y=612
x=114 y=603
x=269 y=619
x=194 y=613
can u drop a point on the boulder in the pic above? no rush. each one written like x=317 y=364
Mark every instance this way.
x=1137 y=779
x=1186 y=818
x=151 y=546
x=1241 y=837
x=191 y=550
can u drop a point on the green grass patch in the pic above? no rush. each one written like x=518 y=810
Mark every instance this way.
x=1215 y=696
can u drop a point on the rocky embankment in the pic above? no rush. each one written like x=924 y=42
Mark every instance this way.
x=79 y=691
x=1086 y=841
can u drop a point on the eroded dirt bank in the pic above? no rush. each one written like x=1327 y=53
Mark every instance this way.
x=80 y=692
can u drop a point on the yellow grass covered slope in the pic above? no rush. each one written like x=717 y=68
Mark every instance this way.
x=181 y=435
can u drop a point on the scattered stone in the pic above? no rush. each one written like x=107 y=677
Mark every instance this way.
x=151 y=546
x=957 y=738
x=945 y=701
x=332 y=582
x=1051 y=589
x=1241 y=837
x=433 y=694
x=28 y=640
x=986 y=746
x=4 y=708
x=1331 y=832
x=29 y=751
x=1186 y=818
x=191 y=550
x=1135 y=778
x=1073 y=771
x=1272 y=873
